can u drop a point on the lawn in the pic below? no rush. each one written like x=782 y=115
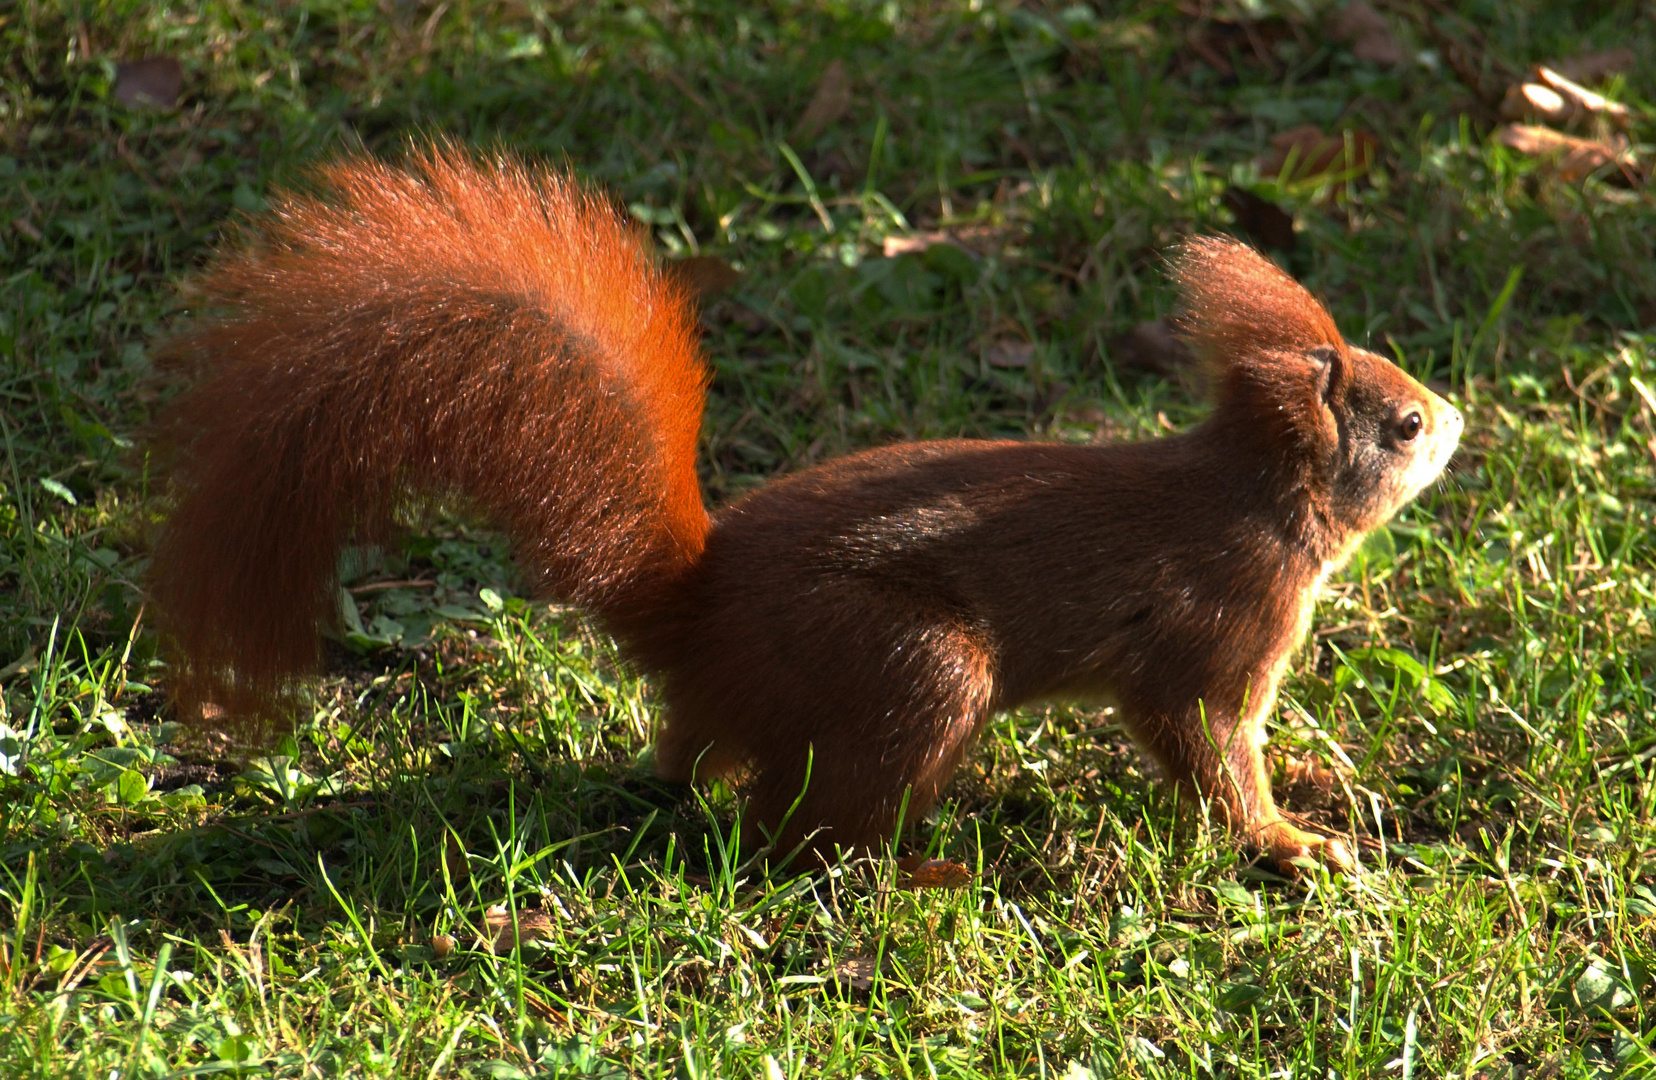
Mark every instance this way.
x=906 y=221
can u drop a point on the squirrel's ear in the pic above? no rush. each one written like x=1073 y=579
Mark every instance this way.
x=1332 y=367
x=1273 y=354
x=1331 y=372
x=1239 y=305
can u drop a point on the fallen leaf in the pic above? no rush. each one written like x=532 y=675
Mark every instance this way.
x=938 y=874
x=1151 y=347
x=154 y=81
x=1532 y=100
x=829 y=103
x=1009 y=353
x=21 y=665
x=1093 y=417
x=1586 y=100
x=27 y=228
x=704 y=275
x=1594 y=66
x=857 y=973
x=1266 y=223
x=913 y=244
x=974 y=239
x=1367 y=34
x=1550 y=96
x=1573 y=159
x=1308 y=154
x=531 y=926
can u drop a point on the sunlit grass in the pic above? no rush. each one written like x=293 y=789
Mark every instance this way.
x=459 y=863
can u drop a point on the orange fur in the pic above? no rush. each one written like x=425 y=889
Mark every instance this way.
x=485 y=331
x=839 y=636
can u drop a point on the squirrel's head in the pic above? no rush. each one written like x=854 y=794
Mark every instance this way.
x=1349 y=427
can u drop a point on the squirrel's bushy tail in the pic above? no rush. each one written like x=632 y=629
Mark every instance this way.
x=451 y=328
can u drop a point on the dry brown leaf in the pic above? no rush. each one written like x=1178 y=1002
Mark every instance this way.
x=154 y=81
x=531 y=926
x=1550 y=96
x=829 y=103
x=22 y=665
x=973 y=239
x=1367 y=34
x=913 y=244
x=1584 y=99
x=1266 y=223
x=704 y=275
x=857 y=973
x=1009 y=353
x=1573 y=159
x=938 y=874
x=1532 y=100
x=1307 y=153
x=1595 y=66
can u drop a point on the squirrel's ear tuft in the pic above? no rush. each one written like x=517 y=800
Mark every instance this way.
x=1239 y=304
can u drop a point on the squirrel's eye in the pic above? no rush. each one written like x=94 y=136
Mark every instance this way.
x=1410 y=426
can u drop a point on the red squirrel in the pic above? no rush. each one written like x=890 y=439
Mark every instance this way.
x=833 y=641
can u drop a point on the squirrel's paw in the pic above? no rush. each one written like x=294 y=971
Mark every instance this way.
x=1284 y=843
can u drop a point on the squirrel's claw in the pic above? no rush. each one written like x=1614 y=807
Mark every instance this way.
x=1284 y=843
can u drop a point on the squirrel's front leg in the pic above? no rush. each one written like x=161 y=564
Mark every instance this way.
x=1218 y=753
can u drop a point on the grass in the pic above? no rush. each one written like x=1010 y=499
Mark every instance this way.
x=1476 y=701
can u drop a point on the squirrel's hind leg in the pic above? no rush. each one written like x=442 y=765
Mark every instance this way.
x=685 y=752
x=846 y=765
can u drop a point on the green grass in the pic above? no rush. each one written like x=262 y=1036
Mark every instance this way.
x=1476 y=702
